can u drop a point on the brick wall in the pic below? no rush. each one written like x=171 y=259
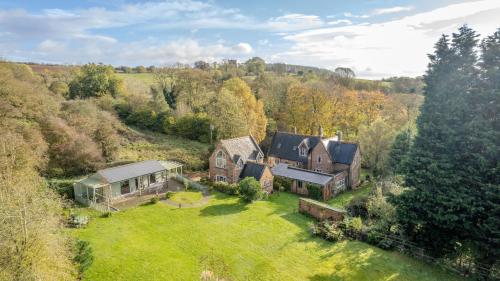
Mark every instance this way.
x=231 y=172
x=319 y=210
x=320 y=159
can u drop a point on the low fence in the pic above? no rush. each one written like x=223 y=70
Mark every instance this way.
x=320 y=210
x=192 y=184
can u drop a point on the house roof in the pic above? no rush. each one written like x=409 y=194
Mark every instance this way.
x=129 y=171
x=252 y=169
x=244 y=148
x=342 y=152
x=285 y=146
x=283 y=170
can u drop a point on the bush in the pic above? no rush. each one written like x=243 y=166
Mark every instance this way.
x=357 y=207
x=83 y=256
x=107 y=214
x=250 y=189
x=63 y=187
x=155 y=199
x=353 y=227
x=194 y=127
x=282 y=184
x=78 y=221
x=168 y=194
x=231 y=189
x=314 y=191
x=327 y=230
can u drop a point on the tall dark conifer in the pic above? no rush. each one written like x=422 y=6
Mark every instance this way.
x=453 y=164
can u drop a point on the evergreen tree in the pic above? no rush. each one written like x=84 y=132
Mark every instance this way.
x=398 y=156
x=453 y=165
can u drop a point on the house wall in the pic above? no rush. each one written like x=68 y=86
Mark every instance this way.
x=325 y=165
x=355 y=171
x=266 y=180
x=231 y=172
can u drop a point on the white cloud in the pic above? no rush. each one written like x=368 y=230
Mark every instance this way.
x=242 y=48
x=50 y=46
x=392 y=10
x=289 y=22
x=396 y=47
x=336 y=22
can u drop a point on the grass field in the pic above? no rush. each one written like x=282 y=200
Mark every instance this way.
x=148 y=78
x=344 y=198
x=186 y=197
x=266 y=240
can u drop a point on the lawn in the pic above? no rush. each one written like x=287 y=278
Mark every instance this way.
x=266 y=240
x=186 y=197
x=344 y=198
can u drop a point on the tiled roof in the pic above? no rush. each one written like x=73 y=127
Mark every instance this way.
x=245 y=148
x=252 y=169
x=286 y=171
x=285 y=146
x=129 y=171
x=342 y=152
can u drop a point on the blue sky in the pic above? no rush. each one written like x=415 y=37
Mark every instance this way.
x=375 y=38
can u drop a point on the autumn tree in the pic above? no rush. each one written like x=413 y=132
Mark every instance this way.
x=227 y=115
x=94 y=80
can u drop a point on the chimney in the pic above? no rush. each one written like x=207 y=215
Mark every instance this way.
x=320 y=132
x=339 y=136
x=295 y=130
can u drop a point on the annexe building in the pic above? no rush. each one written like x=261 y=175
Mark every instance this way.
x=113 y=184
x=330 y=184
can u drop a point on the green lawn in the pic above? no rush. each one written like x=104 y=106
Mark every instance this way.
x=186 y=197
x=344 y=198
x=266 y=240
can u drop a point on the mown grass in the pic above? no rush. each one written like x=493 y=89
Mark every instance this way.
x=266 y=240
x=343 y=199
x=186 y=197
x=148 y=78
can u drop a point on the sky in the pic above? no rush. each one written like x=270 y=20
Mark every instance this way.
x=374 y=38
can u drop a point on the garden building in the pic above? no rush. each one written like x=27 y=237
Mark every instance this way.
x=110 y=185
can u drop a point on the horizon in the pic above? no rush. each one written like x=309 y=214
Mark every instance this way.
x=377 y=39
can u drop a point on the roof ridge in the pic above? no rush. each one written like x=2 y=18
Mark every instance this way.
x=301 y=135
x=124 y=165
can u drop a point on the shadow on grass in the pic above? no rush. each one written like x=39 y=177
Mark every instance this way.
x=224 y=209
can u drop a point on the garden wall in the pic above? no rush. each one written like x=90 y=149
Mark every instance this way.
x=320 y=210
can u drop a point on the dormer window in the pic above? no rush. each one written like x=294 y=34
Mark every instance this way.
x=302 y=151
x=220 y=160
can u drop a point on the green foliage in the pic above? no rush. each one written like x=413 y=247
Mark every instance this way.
x=398 y=155
x=250 y=189
x=63 y=187
x=94 y=81
x=83 y=256
x=282 y=184
x=59 y=88
x=327 y=230
x=193 y=127
x=78 y=221
x=357 y=207
x=453 y=168
x=155 y=199
x=169 y=194
x=314 y=191
x=231 y=189
x=255 y=66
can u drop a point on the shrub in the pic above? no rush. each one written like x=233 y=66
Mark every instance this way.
x=63 y=187
x=250 y=189
x=155 y=199
x=353 y=227
x=282 y=184
x=107 y=214
x=357 y=207
x=78 y=221
x=327 y=230
x=83 y=256
x=168 y=194
x=314 y=191
x=194 y=127
x=231 y=189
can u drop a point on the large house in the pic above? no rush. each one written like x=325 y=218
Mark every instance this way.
x=234 y=159
x=315 y=153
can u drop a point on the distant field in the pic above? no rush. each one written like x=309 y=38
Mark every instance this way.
x=266 y=240
x=145 y=77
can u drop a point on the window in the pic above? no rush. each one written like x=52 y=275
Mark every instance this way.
x=340 y=184
x=302 y=151
x=300 y=184
x=124 y=187
x=276 y=160
x=319 y=159
x=239 y=165
x=220 y=178
x=152 y=178
x=220 y=160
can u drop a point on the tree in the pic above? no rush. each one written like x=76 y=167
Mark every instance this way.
x=201 y=65
x=250 y=189
x=376 y=141
x=59 y=88
x=227 y=115
x=252 y=109
x=344 y=76
x=255 y=66
x=94 y=80
x=398 y=156
x=453 y=167
x=166 y=82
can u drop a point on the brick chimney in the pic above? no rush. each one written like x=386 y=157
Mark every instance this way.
x=339 y=136
x=320 y=132
x=295 y=130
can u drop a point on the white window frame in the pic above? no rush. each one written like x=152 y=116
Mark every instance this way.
x=219 y=178
x=302 y=151
x=340 y=184
x=220 y=159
